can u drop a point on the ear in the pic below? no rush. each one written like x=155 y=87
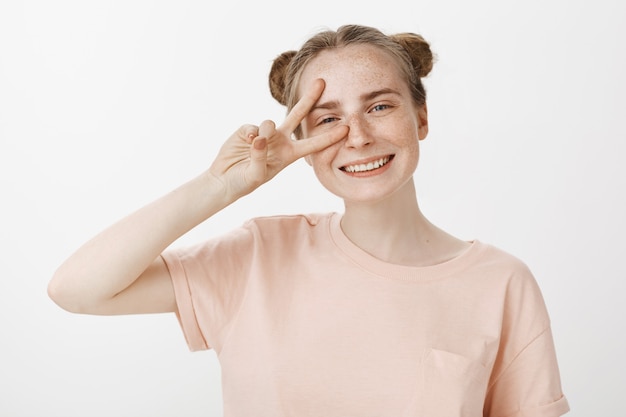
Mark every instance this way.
x=422 y=119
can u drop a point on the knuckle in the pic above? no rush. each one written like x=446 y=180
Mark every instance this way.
x=266 y=128
x=248 y=130
x=248 y=127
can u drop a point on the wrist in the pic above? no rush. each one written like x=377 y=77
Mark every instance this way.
x=212 y=192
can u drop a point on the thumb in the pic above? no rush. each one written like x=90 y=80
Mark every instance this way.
x=257 y=170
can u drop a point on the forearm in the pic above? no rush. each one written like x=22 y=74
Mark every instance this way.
x=115 y=258
x=98 y=277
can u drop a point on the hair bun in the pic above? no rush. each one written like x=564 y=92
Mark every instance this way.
x=419 y=51
x=278 y=73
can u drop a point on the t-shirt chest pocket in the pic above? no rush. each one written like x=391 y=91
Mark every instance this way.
x=451 y=385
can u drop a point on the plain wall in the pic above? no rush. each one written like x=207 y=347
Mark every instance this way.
x=105 y=106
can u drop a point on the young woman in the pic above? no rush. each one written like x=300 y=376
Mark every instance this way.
x=372 y=312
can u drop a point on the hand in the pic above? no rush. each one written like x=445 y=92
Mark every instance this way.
x=254 y=155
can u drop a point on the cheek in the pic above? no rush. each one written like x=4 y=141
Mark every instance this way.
x=323 y=159
x=322 y=162
x=413 y=140
x=414 y=154
x=317 y=161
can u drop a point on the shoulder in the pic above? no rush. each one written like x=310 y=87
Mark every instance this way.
x=494 y=258
x=522 y=292
x=289 y=224
x=507 y=271
x=289 y=233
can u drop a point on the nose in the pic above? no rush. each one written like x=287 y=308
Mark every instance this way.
x=359 y=134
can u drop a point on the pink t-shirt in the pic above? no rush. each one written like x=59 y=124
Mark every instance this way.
x=305 y=323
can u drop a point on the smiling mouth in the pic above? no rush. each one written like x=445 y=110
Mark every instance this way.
x=370 y=166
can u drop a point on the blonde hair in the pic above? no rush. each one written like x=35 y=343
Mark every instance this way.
x=410 y=50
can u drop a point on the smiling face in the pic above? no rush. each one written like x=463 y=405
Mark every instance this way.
x=366 y=91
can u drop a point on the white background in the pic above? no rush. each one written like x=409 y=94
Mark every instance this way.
x=104 y=106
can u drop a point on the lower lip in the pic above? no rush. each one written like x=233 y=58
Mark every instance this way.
x=373 y=172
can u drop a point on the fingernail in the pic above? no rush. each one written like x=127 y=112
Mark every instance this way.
x=260 y=144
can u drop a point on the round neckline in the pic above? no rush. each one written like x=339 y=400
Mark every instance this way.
x=397 y=271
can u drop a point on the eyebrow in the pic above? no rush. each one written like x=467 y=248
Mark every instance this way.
x=367 y=96
x=374 y=94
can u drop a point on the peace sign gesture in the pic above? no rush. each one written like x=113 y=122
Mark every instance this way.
x=254 y=155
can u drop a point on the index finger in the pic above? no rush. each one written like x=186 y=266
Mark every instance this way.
x=302 y=107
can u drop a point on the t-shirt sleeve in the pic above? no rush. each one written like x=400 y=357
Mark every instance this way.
x=530 y=385
x=525 y=379
x=209 y=281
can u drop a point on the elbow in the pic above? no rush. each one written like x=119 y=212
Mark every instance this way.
x=60 y=291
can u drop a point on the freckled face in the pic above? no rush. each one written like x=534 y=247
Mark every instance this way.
x=364 y=90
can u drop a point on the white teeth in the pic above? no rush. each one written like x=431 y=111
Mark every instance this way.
x=367 y=167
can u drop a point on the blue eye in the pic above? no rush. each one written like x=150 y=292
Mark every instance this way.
x=328 y=120
x=380 y=107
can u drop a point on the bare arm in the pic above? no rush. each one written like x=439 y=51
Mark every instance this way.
x=120 y=271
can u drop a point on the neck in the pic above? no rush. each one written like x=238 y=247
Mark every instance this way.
x=396 y=231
